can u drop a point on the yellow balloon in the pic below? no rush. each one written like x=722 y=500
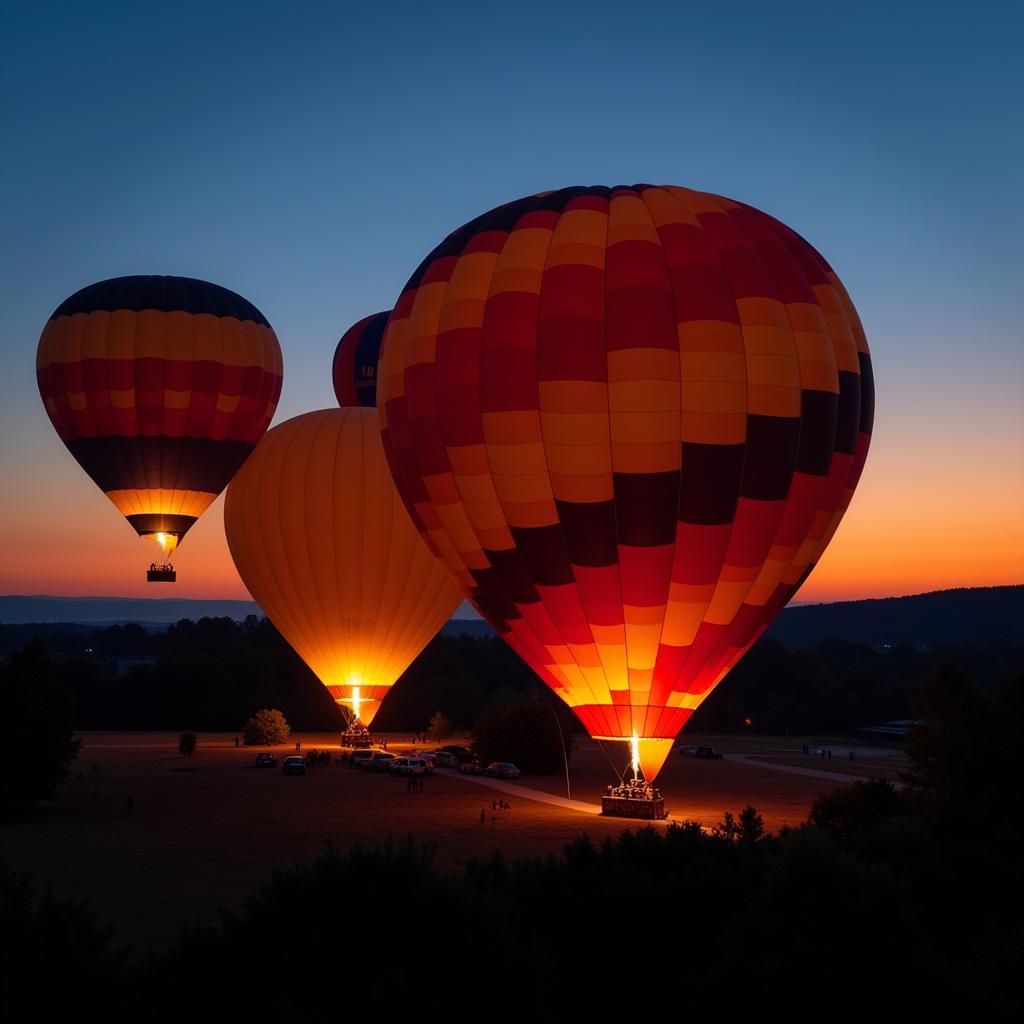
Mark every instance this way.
x=326 y=548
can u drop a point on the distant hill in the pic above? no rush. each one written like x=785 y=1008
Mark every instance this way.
x=976 y=615
x=965 y=616
x=157 y=612
x=106 y=611
x=466 y=627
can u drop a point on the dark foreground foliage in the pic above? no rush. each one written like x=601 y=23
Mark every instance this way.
x=54 y=958
x=37 y=727
x=887 y=902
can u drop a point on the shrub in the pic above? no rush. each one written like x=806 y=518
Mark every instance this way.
x=266 y=726
x=860 y=807
x=440 y=727
x=747 y=830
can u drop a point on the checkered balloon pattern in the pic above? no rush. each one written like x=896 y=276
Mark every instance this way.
x=629 y=420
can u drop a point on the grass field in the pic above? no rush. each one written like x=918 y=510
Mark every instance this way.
x=206 y=831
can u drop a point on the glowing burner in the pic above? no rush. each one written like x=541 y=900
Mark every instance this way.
x=635 y=797
x=162 y=571
x=356 y=734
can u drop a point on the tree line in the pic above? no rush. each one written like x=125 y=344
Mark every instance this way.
x=212 y=674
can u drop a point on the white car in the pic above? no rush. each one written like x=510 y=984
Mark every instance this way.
x=409 y=766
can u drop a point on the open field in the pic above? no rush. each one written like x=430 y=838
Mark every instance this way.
x=206 y=831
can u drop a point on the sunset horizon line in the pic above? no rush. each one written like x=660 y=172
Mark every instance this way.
x=208 y=598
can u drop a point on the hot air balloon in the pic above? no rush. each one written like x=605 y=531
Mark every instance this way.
x=160 y=387
x=355 y=361
x=629 y=420
x=326 y=547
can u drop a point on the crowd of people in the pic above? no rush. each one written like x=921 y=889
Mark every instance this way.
x=496 y=805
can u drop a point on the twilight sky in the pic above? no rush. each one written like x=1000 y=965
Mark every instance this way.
x=309 y=155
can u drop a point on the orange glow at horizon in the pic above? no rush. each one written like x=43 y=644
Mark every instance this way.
x=924 y=517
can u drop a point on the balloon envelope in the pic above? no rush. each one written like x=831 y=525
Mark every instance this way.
x=327 y=549
x=160 y=387
x=354 y=371
x=629 y=419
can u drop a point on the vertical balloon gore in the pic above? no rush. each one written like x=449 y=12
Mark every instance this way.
x=325 y=546
x=629 y=420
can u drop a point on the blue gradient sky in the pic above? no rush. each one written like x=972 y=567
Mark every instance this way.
x=309 y=155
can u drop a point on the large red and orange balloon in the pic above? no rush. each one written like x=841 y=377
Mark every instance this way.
x=160 y=387
x=354 y=370
x=326 y=547
x=629 y=419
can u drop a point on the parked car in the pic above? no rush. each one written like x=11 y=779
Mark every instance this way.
x=409 y=766
x=380 y=761
x=294 y=765
x=446 y=759
x=426 y=755
x=471 y=768
x=361 y=756
x=704 y=752
x=502 y=770
x=461 y=753
x=265 y=760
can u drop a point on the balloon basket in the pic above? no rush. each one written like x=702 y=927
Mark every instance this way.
x=634 y=798
x=356 y=737
x=161 y=574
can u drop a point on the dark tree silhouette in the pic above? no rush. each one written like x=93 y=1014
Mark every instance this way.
x=38 y=728
x=525 y=734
